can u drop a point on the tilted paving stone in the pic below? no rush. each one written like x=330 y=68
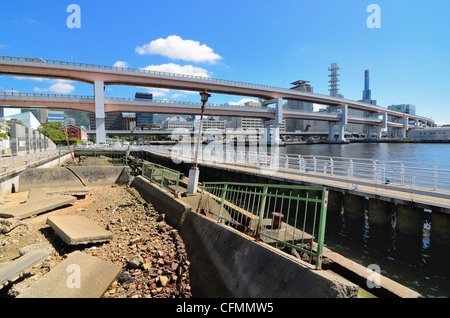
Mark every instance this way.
x=79 y=276
x=14 y=270
x=77 y=229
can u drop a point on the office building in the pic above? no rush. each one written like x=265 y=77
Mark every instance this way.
x=211 y=123
x=177 y=122
x=299 y=124
x=404 y=108
x=54 y=116
x=27 y=118
x=144 y=120
x=4 y=111
x=113 y=121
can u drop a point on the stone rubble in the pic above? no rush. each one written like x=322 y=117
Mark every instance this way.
x=152 y=253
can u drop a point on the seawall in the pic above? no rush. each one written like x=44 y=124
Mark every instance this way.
x=226 y=263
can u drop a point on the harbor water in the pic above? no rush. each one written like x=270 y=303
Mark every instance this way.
x=418 y=263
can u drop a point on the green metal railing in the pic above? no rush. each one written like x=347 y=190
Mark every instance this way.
x=282 y=215
x=164 y=177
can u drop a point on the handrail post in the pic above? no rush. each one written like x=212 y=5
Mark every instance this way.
x=162 y=177
x=261 y=212
x=322 y=223
x=222 y=201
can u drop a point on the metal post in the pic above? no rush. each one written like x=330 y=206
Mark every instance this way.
x=322 y=222
x=222 y=201
x=261 y=212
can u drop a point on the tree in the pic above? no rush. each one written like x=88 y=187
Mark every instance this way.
x=52 y=131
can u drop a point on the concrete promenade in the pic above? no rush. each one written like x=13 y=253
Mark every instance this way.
x=423 y=197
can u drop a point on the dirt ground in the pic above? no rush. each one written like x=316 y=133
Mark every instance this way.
x=151 y=253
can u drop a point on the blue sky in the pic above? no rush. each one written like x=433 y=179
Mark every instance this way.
x=265 y=42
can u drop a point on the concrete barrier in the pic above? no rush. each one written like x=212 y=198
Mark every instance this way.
x=174 y=209
x=73 y=176
x=226 y=263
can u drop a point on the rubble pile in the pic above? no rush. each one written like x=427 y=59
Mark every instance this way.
x=151 y=253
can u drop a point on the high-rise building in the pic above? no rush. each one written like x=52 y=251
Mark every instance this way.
x=367 y=94
x=299 y=124
x=144 y=120
x=404 y=108
x=113 y=121
x=366 y=98
x=4 y=111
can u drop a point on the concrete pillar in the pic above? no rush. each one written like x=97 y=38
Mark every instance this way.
x=369 y=132
x=380 y=212
x=354 y=206
x=330 y=131
x=278 y=120
x=266 y=135
x=335 y=203
x=18 y=144
x=354 y=216
x=384 y=120
x=405 y=126
x=440 y=228
x=410 y=220
x=28 y=139
x=100 y=131
x=343 y=122
x=378 y=132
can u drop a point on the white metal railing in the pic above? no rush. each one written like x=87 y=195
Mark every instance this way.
x=11 y=163
x=124 y=99
x=410 y=178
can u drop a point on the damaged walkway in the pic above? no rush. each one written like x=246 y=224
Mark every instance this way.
x=44 y=190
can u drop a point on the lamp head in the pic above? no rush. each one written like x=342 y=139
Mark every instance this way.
x=204 y=96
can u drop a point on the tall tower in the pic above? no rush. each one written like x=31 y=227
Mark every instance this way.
x=334 y=80
x=367 y=94
x=366 y=91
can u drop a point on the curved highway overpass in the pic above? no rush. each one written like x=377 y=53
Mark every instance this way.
x=100 y=76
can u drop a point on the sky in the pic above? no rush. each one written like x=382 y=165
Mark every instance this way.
x=404 y=43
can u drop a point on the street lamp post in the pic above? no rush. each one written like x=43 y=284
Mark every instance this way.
x=194 y=172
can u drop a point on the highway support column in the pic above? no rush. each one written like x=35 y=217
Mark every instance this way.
x=343 y=122
x=100 y=131
x=278 y=121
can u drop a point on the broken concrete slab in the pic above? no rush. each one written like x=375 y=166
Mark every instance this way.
x=7 y=225
x=47 y=178
x=79 y=276
x=77 y=229
x=44 y=246
x=14 y=270
x=36 y=194
x=101 y=175
x=34 y=207
x=81 y=176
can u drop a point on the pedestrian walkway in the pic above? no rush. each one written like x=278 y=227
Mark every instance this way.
x=367 y=187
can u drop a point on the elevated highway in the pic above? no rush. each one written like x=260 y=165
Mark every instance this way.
x=101 y=75
x=113 y=104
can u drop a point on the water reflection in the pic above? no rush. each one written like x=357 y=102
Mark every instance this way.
x=417 y=262
x=414 y=261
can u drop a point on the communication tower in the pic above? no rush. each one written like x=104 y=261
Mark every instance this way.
x=334 y=80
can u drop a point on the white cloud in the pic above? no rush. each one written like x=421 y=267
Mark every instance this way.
x=175 y=47
x=179 y=69
x=38 y=79
x=158 y=92
x=121 y=64
x=57 y=88
x=243 y=101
